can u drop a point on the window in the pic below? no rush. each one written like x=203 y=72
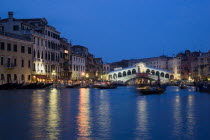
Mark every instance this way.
x=29 y=50
x=34 y=53
x=15 y=77
x=2 y=60
x=22 y=49
x=22 y=63
x=22 y=77
x=15 y=48
x=2 y=45
x=9 y=47
x=16 y=28
x=29 y=64
x=2 y=76
x=29 y=77
x=15 y=62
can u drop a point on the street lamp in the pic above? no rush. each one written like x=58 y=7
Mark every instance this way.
x=83 y=75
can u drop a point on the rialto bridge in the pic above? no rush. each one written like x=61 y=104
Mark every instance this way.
x=140 y=70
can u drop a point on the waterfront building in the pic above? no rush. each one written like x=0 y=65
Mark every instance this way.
x=78 y=67
x=94 y=66
x=46 y=45
x=174 y=64
x=106 y=70
x=15 y=58
x=160 y=62
x=188 y=60
x=204 y=66
x=65 y=61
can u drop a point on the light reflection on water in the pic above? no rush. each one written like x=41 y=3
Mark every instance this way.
x=83 y=118
x=104 y=116
x=142 y=119
x=53 y=114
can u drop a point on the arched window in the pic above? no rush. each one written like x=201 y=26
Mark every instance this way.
x=115 y=76
x=38 y=54
x=9 y=80
x=153 y=72
x=110 y=77
x=15 y=77
x=124 y=73
x=162 y=74
x=148 y=71
x=129 y=72
x=22 y=77
x=119 y=74
x=2 y=77
x=157 y=73
x=133 y=71
x=34 y=53
x=166 y=75
x=171 y=77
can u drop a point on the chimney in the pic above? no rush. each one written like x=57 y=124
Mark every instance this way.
x=10 y=15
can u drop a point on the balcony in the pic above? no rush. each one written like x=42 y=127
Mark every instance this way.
x=9 y=66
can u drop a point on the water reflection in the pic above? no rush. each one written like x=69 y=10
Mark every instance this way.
x=53 y=118
x=37 y=114
x=190 y=116
x=103 y=110
x=83 y=118
x=177 y=116
x=142 y=119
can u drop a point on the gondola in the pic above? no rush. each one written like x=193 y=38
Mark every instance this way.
x=151 y=90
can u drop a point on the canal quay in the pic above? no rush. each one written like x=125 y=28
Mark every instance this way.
x=108 y=114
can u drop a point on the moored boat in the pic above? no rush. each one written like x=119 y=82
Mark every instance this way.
x=151 y=90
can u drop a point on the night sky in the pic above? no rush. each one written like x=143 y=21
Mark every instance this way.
x=123 y=29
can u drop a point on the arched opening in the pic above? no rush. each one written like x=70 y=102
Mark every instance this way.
x=171 y=77
x=129 y=72
x=9 y=80
x=15 y=77
x=162 y=74
x=2 y=76
x=124 y=73
x=153 y=72
x=147 y=71
x=119 y=74
x=166 y=75
x=157 y=73
x=38 y=54
x=110 y=77
x=23 y=77
x=115 y=76
x=133 y=71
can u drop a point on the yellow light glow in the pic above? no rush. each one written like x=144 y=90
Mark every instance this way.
x=66 y=51
x=83 y=74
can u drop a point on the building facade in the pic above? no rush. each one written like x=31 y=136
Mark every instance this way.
x=78 y=67
x=203 y=66
x=15 y=58
x=46 y=45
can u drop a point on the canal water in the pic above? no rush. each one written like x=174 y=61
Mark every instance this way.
x=68 y=114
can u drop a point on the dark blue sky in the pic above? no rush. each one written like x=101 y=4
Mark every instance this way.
x=123 y=29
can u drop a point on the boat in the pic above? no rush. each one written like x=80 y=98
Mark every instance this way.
x=106 y=86
x=73 y=86
x=151 y=90
x=183 y=86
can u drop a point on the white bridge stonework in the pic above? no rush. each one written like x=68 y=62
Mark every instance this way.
x=132 y=72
